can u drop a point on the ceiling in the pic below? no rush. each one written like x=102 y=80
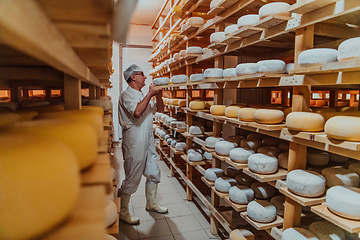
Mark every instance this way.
x=146 y=11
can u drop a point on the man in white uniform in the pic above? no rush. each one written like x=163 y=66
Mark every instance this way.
x=135 y=116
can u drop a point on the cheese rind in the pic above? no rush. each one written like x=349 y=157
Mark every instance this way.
x=305 y=183
x=298 y=234
x=317 y=56
x=263 y=190
x=276 y=8
x=213 y=72
x=211 y=141
x=212 y=174
x=223 y=184
x=338 y=176
x=110 y=212
x=305 y=121
x=196 y=77
x=224 y=147
x=326 y=230
x=246 y=68
x=197 y=50
x=251 y=144
x=240 y=155
x=261 y=163
x=180 y=146
x=229 y=72
x=182 y=78
x=218 y=110
x=248 y=20
x=268 y=116
x=270 y=66
x=349 y=49
x=241 y=194
x=196 y=130
x=355 y=167
x=195 y=21
x=343 y=128
x=344 y=201
x=269 y=151
x=217 y=37
x=279 y=203
x=161 y=81
x=195 y=156
x=246 y=114
x=230 y=29
x=317 y=158
x=232 y=111
x=197 y=105
x=241 y=234
x=283 y=160
x=261 y=211
x=245 y=180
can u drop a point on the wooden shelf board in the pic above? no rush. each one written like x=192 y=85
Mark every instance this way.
x=186 y=159
x=176 y=151
x=322 y=210
x=309 y=5
x=210 y=150
x=276 y=233
x=205 y=134
x=235 y=164
x=247 y=31
x=230 y=39
x=237 y=207
x=191 y=55
x=188 y=110
x=216 y=45
x=271 y=21
x=199 y=141
x=207 y=182
x=355 y=146
x=188 y=29
x=220 y=194
x=262 y=226
x=113 y=229
x=221 y=158
x=280 y=174
x=221 y=7
x=303 y=201
x=327 y=68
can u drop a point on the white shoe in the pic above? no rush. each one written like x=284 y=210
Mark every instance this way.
x=151 y=202
x=124 y=215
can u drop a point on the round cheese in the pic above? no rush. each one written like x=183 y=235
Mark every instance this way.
x=39 y=185
x=217 y=37
x=279 y=203
x=248 y=20
x=196 y=77
x=317 y=56
x=197 y=105
x=7 y=118
x=197 y=50
x=317 y=158
x=271 y=141
x=241 y=194
x=289 y=67
x=96 y=109
x=218 y=110
x=161 y=81
x=169 y=120
x=261 y=211
x=192 y=150
x=245 y=180
x=262 y=190
x=214 y=3
x=251 y=144
x=229 y=72
x=180 y=146
x=326 y=230
x=283 y=160
x=224 y=148
x=344 y=201
x=245 y=68
x=182 y=53
x=269 y=151
x=232 y=111
x=276 y=8
x=284 y=146
x=268 y=116
x=179 y=78
x=195 y=156
x=271 y=66
x=305 y=183
x=223 y=184
x=349 y=49
x=338 y=176
x=246 y=114
x=174 y=142
x=176 y=57
x=181 y=125
x=212 y=174
x=343 y=128
x=110 y=212
x=211 y=141
x=196 y=130
x=337 y=158
x=44 y=108
x=207 y=156
x=230 y=29
x=235 y=139
x=241 y=234
x=298 y=234
x=240 y=155
x=305 y=121
x=166 y=137
x=213 y=72
x=261 y=163
x=355 y=167
x=208 y=104
x=232 y=171
x=182 y=103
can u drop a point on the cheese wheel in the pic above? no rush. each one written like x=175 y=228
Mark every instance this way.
x=214 y=3
x=217 y=37
x=44 y=108
x=169 y=140
x=212 y=174
x=317 y=158
x=283 y=160
x=176 y=57
x=197 y=50
x=232 y=171
x=343 y=128
x=182 y=103
x=182 y=53
x=284 y=146
x=193 y=150
x=196 y=77
x=211 y=141
x=248 y=20
x=218 y=110
x=197 y=105
x=250 y=144
x=322 y=109
x=338 y=176
x=305 y=183
x=276 y=8
x=179 y=78
x=174 y=142
x=39 y=184
x=244 y=180
x=196 y=130
x=232 y=111
x=229 y=72
x=268 y=116
x=235 y=139
x=279 y=203
x=355 y=167
x=96 y=109
x=298 y=234
x=169 y=120
x=166 y=137
x=224 y=148
x=213 y=72
x=271 y=141
x=245 y=68
x=317 y=56
x=261 y=163
x=269 y=151
x=349 y=49
x=181 y=125
x=262 y=190
x=207 y=156
x=241 y=234
x=195 y=156
x=344 y=201
x=240 y=155
x=271 y=66
x=230 y=29
x=246 y=114
x=208 y=104
x=223 y=184
x=180 y=146
x=261 y=211
x=289 y=67
x=110 y=213
x=325 y=230
x=305 y=121
x=161 y=81
x=241 y=194
x=337 y=158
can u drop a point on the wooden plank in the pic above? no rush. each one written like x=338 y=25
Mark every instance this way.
x=186 y=29
x=354 y=146
x=306 y=6
x=221 y=158
x=199 y=141
x=221 y=7
x=271 y=21
x=237 y=207
x=191 y=163
x=207 y=182
x=176 y=151
x=280 y=174
x=219 y=194
x=210 y=150
x=30 y=73
x=216 y=45
x=247 y=31
x=113 y=229
x=230 y=39
x=303 y=201
x=262 y=226
x=235 y=164
x=72 y=92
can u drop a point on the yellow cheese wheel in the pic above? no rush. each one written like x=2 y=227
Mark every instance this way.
x=246 y=114
x=182 y=102
x=232 y=111
x=268 y=116
x=80 y=138
x=44 y=108
x=7 y=118
x=323 y=109
x=218 y=110
x=208 y=104
x=96 y=109
x=305 y=121
x=343 y=128
x=39 y=185
x=197 y=105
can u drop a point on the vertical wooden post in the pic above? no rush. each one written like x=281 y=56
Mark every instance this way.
x=301 y=99
x=15 y=93
x=333 y=100
x=214 y=224
x=304 y=39
x=72 y=92
x=92 y=92
x=25 y=92
x=48 y=92
x=161 y=34
x=98 y=92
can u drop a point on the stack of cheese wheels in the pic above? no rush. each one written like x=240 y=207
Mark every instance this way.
x=275 y=9
x=279 y=203
x=232 y=111
x=317 y=56
x=247 y=20
x=217 y=37
x=224 y=147
x=261 y=211
x=247 y=114
x=240 y=155
x=305 y=121
x=213 y=73
x=196 y=77
x=251 y=144
x=211 y=174
x=349 y=50
x=218 y=110
x=305 y=183
x=261 y=163
x=230 y=29
x=223 y=184
x=196 y=130
x=229 y=72
x=38 y=175
x=182 y=103
x=338 y=176
x=270 y=66
x=211 y=141
x=326 y=230
x=245 y=180
x=110 y=213
x=343 y=128
x=298 y=234
x=263 y=190
x=241 y=194
x=344 y=201
x=194 y=50
x=245 y=68
x=270 y=151
x=161 y=81
x=241 y=234
x=283 y=160
x=317 y=158
x=197 y=105
x=268 y=116
x=235 y=139
x=182 y=78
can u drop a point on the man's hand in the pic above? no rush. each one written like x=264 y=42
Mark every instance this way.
x=153 y=89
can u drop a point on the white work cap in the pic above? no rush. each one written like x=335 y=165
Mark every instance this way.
x=132 y=68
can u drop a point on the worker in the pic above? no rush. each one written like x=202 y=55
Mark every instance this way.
x=135 y=117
